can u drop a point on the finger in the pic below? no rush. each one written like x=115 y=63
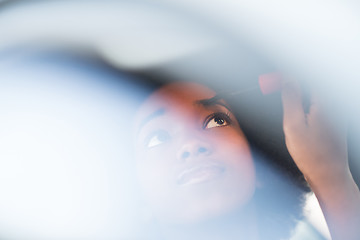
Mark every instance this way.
x=322 y=102
x=294 y=116
x=326 y=110
x=270 y=82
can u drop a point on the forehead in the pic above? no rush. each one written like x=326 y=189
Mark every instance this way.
x=175 y=97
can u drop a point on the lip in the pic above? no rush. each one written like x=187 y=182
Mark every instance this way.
x=200 y=174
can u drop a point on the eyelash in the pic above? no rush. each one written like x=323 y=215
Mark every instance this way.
x=161 y=136
x=225 y=116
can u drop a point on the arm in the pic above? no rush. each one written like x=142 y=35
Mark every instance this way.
x=319 y=149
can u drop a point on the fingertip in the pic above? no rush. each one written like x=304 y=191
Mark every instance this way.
x=270 y=82
x=291 y=87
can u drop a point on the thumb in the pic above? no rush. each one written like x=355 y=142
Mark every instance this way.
x=294 y=116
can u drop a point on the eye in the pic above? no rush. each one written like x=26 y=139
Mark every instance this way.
x=217 y=120
x=157 y=138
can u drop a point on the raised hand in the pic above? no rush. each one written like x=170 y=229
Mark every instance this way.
x=317 y=143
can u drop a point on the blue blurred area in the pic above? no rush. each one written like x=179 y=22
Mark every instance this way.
x=66 y=169
x=66 y=165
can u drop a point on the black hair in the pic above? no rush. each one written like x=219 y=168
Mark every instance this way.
x=281 y=197
x=263 y=130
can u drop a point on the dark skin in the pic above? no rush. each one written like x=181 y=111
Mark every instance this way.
x=317 y=146
x=192 y=155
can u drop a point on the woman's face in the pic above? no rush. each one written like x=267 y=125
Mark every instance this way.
x=193 y=160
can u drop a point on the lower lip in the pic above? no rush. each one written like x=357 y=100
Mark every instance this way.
x=201 y=175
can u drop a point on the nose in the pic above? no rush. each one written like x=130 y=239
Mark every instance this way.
x=193 y=148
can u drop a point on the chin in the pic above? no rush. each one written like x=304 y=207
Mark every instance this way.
x=197 y=209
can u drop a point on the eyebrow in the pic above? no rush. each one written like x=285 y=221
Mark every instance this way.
x=150 y=117
x=209 y=102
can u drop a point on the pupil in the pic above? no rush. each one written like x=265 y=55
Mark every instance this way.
x=219 y=121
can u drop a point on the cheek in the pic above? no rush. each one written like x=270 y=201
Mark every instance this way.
x=154 y=171
x=158 y=167
x=231 y=144
x=233 y=149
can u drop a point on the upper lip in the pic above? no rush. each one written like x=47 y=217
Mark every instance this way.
x=181 y=179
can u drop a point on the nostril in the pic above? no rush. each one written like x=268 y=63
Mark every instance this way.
x=202 y=150
x=185 y=155
x=193 y=149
